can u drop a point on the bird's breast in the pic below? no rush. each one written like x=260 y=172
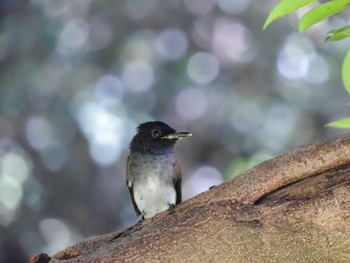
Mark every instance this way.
x=153 y=183
x=152 y=169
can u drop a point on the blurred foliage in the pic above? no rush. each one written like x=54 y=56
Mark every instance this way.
x=311 y=17
x=78 y=76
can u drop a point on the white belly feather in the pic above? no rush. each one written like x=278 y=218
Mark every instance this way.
x=152 y=187
x=154 y=196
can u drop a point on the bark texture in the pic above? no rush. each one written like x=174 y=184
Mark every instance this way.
x=292 y=208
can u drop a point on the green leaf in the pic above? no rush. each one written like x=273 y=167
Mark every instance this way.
x=284 y=8
x=321 y=12
x=342 y=123
x=346 y=72
x=337 y=34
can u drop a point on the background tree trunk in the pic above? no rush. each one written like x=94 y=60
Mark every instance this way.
x=293 y=208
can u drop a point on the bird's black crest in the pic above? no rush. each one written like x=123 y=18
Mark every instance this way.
x=149 y=138
x=146 y=126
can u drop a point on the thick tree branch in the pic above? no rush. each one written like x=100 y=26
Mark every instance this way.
x=292 y=208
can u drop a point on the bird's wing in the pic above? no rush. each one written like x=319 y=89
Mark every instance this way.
x=177 y=180
x=129 y=183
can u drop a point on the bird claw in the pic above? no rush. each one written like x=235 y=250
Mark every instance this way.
x=171 y=208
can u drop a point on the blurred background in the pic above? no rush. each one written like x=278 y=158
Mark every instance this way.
x=78 y=76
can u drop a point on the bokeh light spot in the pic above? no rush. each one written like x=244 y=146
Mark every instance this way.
x=293 y=64
x=11 y=193
x=38 y=132
x=108 y=90
x=171 y=44
x=104 y=154
x=100 y=34
x=232 y=41
x=201 y=180
x=139 y=46
x=203 y=68
x=191 y=103
x=104 y=131
x=294 y=59
x=56 y=234
x=73 y=36
x=16 y=165
x=138 y=76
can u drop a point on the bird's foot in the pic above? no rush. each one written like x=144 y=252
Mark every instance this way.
x=171 y=208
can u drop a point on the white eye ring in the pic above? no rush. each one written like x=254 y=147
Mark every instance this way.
x=156 y=133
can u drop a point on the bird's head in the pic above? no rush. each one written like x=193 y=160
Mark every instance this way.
x=155 y=137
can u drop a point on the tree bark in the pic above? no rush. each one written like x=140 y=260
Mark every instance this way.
x=292 y=208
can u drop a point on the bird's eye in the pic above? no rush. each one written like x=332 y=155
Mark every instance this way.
x=156 y=133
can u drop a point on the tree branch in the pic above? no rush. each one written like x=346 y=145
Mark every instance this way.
x=293 y=207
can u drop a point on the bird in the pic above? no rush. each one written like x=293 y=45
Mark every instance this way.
x=153 y=174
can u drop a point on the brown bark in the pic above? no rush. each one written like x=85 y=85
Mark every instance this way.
x=292 y=208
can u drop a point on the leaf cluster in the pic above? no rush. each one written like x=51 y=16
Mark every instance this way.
x=316 y=14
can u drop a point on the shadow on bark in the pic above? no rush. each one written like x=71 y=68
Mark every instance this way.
x=292 y=208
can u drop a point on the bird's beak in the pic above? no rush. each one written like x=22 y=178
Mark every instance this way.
x=177 y=135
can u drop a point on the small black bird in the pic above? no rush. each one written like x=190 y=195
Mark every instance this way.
x=153 y=174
